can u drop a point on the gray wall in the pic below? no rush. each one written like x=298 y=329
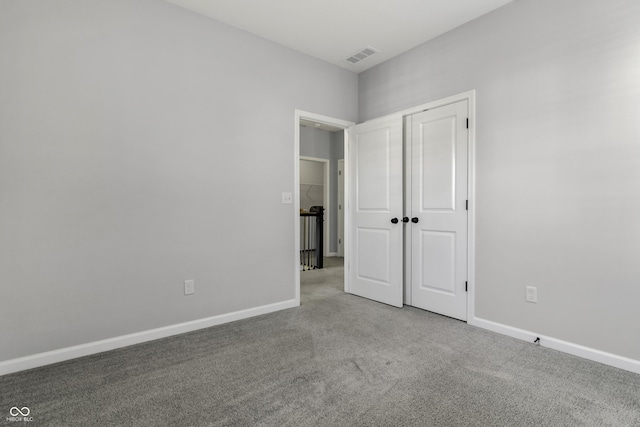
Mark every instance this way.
x=558 y=159
x=315 y=143
x=136 y=139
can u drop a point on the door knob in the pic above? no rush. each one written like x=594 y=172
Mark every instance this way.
x=405 y=219
x=414 y=220
x=394 y=220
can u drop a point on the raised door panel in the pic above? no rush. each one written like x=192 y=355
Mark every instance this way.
x=438 y=164
x=373 y=256
x=437 y=261
x=372 y=151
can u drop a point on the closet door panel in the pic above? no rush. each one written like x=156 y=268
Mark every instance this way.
x=374 y=206
x=439 y=139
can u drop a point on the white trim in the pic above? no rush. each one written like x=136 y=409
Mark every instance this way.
x=319 y=118
x=605 y=358
x=471 y=213
x=332 y=254
x=296 y=207
x=55 y=356
x=326 y=200
x=300 y=114
x=345 y=208
x=470 y=95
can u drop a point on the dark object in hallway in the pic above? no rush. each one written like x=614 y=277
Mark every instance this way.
x=312 y=238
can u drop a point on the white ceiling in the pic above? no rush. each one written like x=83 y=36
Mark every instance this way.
x=332 y=30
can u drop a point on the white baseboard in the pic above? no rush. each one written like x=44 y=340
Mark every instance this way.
x=605 y=358
x=55 y=356
x=332 y=254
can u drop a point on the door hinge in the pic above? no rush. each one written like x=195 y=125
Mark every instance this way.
x=339 y=172
x=466 y=206
x=466 y=286
x=467 y=123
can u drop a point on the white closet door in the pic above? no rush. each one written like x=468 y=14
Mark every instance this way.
x=439 y=140
x=375 y=192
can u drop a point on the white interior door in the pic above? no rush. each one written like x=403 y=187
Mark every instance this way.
x=439 y=145
x=375 y=193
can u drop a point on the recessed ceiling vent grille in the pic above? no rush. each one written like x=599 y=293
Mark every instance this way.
x=361 y=54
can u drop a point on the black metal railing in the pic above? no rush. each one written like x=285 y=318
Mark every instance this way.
x=311 y=238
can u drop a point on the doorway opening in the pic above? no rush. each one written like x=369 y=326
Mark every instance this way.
x=315 y=204
x=319 y=144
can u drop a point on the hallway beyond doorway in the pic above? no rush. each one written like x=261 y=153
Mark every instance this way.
x=323 y=283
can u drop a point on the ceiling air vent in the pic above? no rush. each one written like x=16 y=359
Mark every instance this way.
x=361 y=54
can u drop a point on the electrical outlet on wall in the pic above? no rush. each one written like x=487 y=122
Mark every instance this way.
x=189 y=287
x=531 y=294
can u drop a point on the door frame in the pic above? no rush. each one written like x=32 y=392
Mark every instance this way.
x=326 y=201
x=318 y=118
